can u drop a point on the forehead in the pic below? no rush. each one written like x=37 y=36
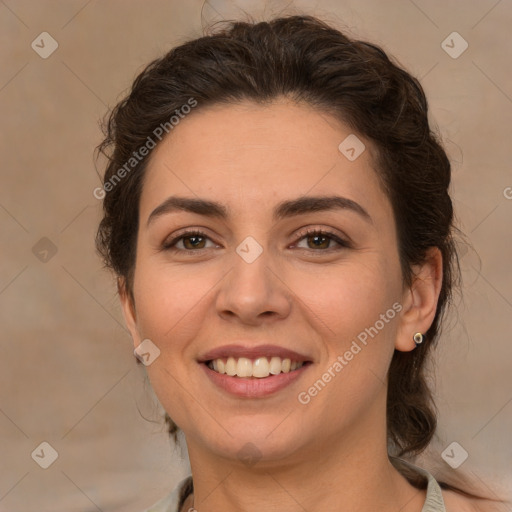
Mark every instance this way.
x=253 y=154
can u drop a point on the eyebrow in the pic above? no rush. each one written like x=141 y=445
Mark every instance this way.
x=286 y=209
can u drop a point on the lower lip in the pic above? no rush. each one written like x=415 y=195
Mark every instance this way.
x=253 y=387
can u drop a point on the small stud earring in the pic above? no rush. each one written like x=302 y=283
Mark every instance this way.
x=418 y=338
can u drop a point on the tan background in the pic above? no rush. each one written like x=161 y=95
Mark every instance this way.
x=67 y=372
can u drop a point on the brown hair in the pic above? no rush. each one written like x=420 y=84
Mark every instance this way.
x=307 y=60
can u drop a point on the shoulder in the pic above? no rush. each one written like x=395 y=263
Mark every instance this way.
x=457 y=502
x=460 y=493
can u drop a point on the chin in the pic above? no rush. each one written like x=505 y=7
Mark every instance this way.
x=253 y=439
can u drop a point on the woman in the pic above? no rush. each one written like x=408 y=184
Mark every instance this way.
x=277 y=213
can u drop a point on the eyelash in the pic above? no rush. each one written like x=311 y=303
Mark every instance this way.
x=170 y=246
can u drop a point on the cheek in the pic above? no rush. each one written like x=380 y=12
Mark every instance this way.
x=347 y=299
x=353 y=310
x=170 y=308
x=166 y=301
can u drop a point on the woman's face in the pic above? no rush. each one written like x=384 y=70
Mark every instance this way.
x=254 y=284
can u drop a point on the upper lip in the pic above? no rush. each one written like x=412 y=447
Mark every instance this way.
x=252 y=352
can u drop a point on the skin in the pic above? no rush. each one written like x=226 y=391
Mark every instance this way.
x=313 y=300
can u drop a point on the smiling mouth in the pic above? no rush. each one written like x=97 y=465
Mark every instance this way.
x=259 y=368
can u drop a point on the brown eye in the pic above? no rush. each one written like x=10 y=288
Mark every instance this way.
x=318 y=239
x=195 y=241
x=191 y=241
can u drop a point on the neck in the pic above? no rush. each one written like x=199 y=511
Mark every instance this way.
x=350 y=468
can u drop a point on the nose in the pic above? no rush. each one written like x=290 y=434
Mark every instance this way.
x=253 y=293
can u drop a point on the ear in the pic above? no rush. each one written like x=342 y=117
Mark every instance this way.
x=419 y=301
x=129 y=313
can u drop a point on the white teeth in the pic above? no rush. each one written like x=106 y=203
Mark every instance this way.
x=259 y=368
x=275 y=366
x=231 y=366
x=244 y=367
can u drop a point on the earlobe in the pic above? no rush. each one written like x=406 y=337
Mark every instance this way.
x=128 y=309
x=420 y=300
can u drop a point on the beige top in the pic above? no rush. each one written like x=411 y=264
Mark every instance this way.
x=433 y=503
